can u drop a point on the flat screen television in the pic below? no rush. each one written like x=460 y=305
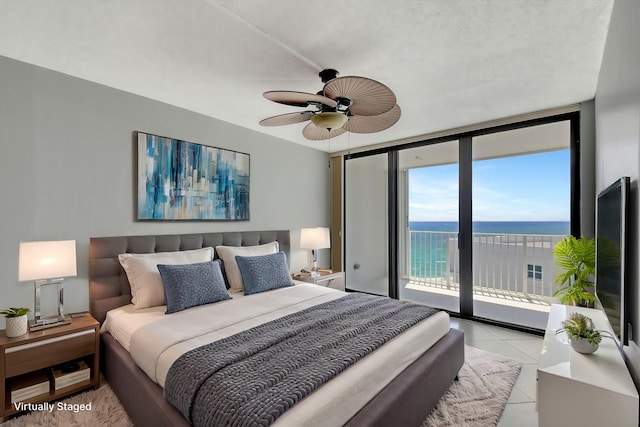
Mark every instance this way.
x=611 y=252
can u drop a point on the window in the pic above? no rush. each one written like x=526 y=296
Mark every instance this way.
x=534 y=271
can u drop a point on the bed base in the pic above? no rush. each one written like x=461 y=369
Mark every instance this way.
x=412 y=395
x=406 y=401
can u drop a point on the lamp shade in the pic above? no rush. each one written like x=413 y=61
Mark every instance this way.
x=47 y=260
x=315 y=238
x=329 y=120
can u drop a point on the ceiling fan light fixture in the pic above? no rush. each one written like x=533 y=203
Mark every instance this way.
x=329 y=120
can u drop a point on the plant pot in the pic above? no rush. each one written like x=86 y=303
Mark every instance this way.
x=16 y=326
x=582 y=345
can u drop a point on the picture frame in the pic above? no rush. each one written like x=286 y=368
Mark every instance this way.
x=184 y=181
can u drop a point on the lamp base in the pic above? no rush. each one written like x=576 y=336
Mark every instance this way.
x=314 y=269
x=48 y=323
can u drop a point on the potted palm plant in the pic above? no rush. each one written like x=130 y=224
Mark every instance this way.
x=583 y=337
x=16 y=321
x=577 y=258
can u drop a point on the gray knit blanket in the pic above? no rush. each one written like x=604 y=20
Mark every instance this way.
x=253 y=377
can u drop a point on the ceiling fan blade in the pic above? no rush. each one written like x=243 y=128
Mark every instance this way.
x=368 y=97
x=315 y=133
x=371 y=124
x=298 y=99
x=287 y=119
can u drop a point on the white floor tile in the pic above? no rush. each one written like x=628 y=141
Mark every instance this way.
x=531 y=347
x=501 y=347
x=472 y=331
x=519 y=397
x=519 y=415
x=526 y=382
x=508 y=334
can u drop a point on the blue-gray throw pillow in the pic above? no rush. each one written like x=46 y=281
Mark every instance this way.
x=264 y=272
x=190 y=285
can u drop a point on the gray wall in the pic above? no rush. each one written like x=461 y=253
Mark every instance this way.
x=67 y=168
x=618 y=137
x=587 y=166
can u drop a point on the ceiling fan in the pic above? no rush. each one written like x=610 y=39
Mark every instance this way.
x=345 y=104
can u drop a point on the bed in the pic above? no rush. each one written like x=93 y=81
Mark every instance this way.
x=411 y=389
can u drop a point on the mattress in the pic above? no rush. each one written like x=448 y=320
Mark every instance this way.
x=156 y=340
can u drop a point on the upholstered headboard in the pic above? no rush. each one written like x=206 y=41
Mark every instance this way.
x=108 y=284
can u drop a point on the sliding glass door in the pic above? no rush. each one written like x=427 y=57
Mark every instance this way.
x=366 y=224
x=466 y=224
x=521 y=209
x=429 y=207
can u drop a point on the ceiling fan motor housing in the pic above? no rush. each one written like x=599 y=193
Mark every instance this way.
x=328 y=74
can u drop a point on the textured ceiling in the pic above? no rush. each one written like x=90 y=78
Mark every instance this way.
x=451 y=63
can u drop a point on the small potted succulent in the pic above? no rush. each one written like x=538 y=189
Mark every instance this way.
x=16 y=321
x=583 y=337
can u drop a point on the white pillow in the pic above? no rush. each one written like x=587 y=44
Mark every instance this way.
x=144 y=277
x=228 y=256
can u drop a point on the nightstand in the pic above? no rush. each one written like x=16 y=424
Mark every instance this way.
x=33 y=355
x=333 y=280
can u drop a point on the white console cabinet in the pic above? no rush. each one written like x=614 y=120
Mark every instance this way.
x=583 y=390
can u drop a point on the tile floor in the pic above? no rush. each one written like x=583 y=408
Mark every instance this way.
x=521 y=407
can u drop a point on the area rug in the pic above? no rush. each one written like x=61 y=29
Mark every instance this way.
x=477 y=399
x=105 y=410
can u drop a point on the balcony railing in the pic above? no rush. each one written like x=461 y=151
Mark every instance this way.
x=505 y=264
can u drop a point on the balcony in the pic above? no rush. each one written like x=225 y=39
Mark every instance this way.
x=512 y=273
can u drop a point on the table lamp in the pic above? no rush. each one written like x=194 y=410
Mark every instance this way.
x=314 y=239
x=47 y=263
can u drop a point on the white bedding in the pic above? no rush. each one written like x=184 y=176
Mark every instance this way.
x=156 y=340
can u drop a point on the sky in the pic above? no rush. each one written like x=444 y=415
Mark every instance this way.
x=533 y=187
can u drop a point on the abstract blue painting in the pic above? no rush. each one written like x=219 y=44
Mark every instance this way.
x=180 y=180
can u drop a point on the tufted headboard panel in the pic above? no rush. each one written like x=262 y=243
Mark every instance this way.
x=108 y=284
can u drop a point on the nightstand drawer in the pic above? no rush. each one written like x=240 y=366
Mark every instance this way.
x=335 y=281
x=52 y=351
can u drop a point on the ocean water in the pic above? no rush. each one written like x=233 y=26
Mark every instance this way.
x=509 y=227
x=428 y=256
